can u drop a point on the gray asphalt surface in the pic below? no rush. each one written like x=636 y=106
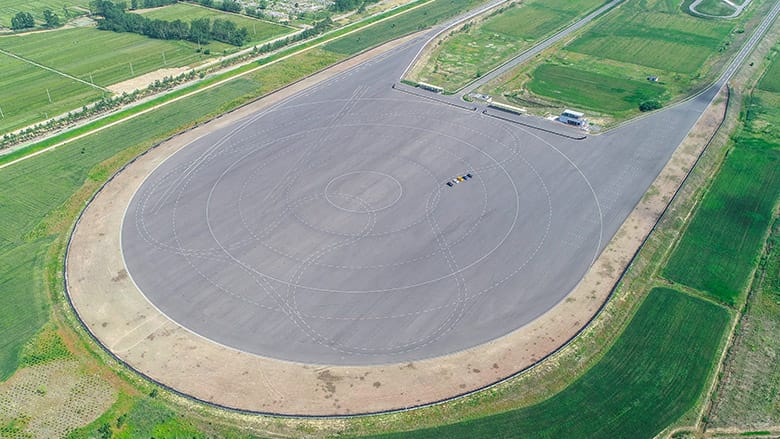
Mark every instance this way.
x=322 y=230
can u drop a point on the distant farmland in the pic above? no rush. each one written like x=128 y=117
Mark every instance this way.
x=25 y=91
x=589 y=90
x=36 y=7
x=259 y=30
x=635 y=41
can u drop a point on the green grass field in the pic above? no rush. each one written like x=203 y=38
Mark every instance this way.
x=23 y=97
x=652 y=375
x=631 y=42
x=724 y=238
x=106 y=55
x=654 y=34
x=468 y=54
x=36 y=7
x=592 y=91
x=259 y=31
x=771 y=79
x=717 y=8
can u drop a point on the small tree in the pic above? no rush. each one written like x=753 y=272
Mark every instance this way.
x=22 y=20
x=649 y=106
x=52 y=20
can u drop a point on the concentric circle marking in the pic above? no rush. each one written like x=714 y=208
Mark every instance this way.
x=376 y=189
x=340 y=242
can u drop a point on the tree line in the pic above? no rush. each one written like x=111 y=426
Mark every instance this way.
x=25 y=20
x=201 y=31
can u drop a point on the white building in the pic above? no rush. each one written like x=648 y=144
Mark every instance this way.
x=572 y=117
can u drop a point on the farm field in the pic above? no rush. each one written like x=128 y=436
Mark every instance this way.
x=632 y=42
x=650 y=377
x=103 y=54
x=100 y=57
x=654 y=34
x=745 y=397
x=724 y=238
x=592 y=91
x=482 y=46
x=36 y=8
x=23 y=96
x=259 y=30
x=771 y=79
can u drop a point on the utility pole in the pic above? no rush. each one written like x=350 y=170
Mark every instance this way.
x=132 y=72
x=165 y=63
x=90 y=79
x=48 y=94
x=1 y=113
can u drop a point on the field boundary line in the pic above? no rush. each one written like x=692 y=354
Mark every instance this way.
x=223 y=81
x=31 y=62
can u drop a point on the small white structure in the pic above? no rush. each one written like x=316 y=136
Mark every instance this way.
x=430 y=87
x=572 y=117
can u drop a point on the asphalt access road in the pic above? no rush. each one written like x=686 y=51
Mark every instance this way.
x=322 y=231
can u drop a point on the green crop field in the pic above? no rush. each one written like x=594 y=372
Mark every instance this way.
x=655 y=34
x=104 y=54
x=36 y=7
x=590 y=90
x=259 y=30
x=651 y=376
x=715 y=7
x=409 y=22
x=771 y=79
x=23 y=97
x=633 y=41
x=745 y=398
x=720 y=246
x=479 y=48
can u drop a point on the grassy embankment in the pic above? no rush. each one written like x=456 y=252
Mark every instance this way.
x=36 y=7
x=604 y=69
x=477 y=48
x=42 y=196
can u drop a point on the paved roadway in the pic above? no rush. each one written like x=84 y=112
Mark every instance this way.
x=322 y=231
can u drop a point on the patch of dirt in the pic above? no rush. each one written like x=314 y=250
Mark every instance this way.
x=143 y=81
x=51 y=399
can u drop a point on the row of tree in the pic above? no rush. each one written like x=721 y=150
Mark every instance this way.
x=318 y=28
x=201 y=31
x=25 y=20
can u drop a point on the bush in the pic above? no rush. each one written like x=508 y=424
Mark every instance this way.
x=649 y=106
